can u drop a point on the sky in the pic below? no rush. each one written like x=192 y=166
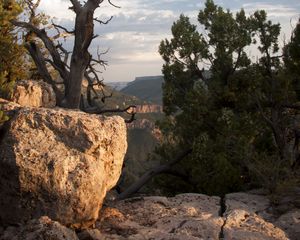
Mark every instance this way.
x=137 y=28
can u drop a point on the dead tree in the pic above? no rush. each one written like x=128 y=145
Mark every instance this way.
x=82 y=64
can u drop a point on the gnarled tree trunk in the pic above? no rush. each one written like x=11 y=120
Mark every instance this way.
x=80 y=60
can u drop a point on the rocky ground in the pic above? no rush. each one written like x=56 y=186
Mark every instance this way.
x=60 y=164
x=239 y=216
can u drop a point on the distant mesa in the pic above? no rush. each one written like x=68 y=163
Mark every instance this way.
x=117 y=85
x=147 y=88
x=147 y=78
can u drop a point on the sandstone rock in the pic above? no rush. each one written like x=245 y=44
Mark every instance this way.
x=58 y=163
x=197 y=216
x=186 y=216
x=243 y=225
x=290 y=223
x=250 y=216
x=32 y=93
x=149 y=108
x=253 y=203
x=43 y=228
x=90 y=234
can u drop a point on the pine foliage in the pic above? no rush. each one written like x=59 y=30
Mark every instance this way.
x=11 y=51
x=238 y=116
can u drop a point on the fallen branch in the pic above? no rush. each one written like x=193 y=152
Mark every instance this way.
x=147 y=176
x=130 y=110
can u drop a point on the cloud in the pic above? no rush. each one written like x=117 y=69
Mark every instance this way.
x=57 y=8
x=273 y=10
x=134 y=34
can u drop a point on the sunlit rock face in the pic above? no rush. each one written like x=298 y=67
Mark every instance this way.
x=58 y=163
x=186 y=216
x=241 y=224
x=238 y=216
x=250 y=217
x=32 y=93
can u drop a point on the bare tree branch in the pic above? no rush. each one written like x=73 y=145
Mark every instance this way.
x=32 y=8
x=40 y=63
x=147 y=176
x=48 y=44
x=113 y=4
x=130 y=110
x=81 y=64
x=104 y=96
x=95 y=36
x=56 y=26
x=66 y=53
x=96 y=110
x=103 y=22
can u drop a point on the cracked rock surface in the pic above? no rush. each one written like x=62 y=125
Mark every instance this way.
x=245 y=225
x=244 y=216
x=186 y=216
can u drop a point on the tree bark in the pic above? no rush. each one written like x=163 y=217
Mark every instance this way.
x=84 y=33
x=40 y=63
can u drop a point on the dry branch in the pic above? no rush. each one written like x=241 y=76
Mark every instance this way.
x=103 y=22
x=135 y=187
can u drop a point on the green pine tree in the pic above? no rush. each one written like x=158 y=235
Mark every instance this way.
x=234 y=115
x=11 y=51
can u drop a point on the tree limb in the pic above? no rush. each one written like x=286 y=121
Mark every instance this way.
x=66 y=57
x=135 y=187
x=97 y=110
x=48 y=44
x=56 y=26
x=131 y=110
x=113 y=4
x=76 y=6
x=40 y=63
x=103 y=22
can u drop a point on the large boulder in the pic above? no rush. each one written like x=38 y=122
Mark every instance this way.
x=58 y=163
x=32 y=93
